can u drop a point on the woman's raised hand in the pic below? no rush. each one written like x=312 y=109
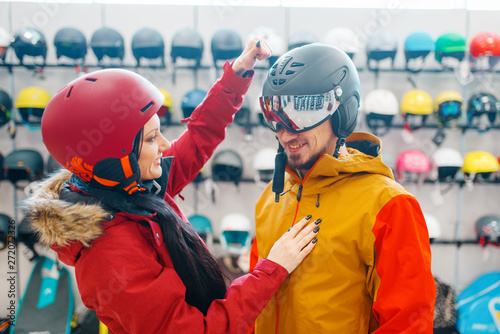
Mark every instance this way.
x=257 y=49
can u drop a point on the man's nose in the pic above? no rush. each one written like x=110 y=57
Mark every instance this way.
x=286 y=136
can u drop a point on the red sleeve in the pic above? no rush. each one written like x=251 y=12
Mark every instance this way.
x=138 y=293
x=405 y=298
x=206 y=128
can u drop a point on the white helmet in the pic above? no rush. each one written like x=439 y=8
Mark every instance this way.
x=380 y=106
x=343 y=38
x=446 y=162
x=447 y=157
x=263 y=164
x=5 y=38
x=433 y=225
x=235 y=233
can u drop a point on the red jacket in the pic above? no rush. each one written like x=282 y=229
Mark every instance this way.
x=122 y=266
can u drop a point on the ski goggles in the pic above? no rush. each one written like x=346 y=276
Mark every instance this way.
x=298 y=113
x=451 y=109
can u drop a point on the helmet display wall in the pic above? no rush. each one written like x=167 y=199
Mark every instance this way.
x=442 y=69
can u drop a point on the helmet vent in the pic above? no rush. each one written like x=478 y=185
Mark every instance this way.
x=279 y=82
x=294 y=64
x=289 y=72
x=91 y=79
x=146 y=108
x=69 y=92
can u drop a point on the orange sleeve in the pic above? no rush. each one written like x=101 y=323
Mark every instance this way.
x=254 y=254
x=405 y=295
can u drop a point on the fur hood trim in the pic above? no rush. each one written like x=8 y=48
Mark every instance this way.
x=59 y=222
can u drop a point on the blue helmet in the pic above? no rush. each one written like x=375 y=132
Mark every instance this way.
x=191 y=100
x=417 y=47
x=201 y=224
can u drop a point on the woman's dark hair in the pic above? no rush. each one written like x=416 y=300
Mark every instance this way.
x=193 y=262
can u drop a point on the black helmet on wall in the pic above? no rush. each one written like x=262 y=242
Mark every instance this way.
x=29 y=42
x=23 y=164
x=188 y=44
x=226 y=44
x=148 y=43
x=316 y=69
x=107 y=42
x=70 y=42
x=5 y=107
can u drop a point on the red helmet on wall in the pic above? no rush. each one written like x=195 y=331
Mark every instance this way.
x=485 y=44
x=96 y=117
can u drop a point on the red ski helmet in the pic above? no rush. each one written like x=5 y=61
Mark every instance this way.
x=96 y=117
x=485 y=44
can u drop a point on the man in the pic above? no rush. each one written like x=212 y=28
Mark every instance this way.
x=371 y=270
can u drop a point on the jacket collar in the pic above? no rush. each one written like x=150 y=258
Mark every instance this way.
x=364 y=157
x=58 y=221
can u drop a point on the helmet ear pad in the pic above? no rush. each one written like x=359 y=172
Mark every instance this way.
x=345 y=119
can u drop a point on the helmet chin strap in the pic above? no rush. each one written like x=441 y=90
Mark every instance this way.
x=340 y=143
x=279 y=172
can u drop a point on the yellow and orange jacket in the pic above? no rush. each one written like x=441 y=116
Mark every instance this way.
x=370 y=271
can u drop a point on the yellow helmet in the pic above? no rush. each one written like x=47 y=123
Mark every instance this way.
x=480 y=162
x=416 y=102
x=32 y=97
x=165 y=111
x=448 y=108
x=167 y=102
x=31 y=102
x=447 y=96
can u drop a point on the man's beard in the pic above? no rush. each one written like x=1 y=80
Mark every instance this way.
x=293 y=163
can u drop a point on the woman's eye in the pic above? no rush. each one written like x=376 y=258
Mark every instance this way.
x=152 y=139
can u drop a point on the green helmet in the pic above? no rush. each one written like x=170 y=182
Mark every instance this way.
x=451 y=44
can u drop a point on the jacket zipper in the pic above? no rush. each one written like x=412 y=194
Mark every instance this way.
x=299 y=195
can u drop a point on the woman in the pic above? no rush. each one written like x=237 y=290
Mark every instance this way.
x=112 y=216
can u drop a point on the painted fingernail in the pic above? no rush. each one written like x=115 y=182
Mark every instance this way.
x=258 y=44
x=316 y=230
x=315 y=240
x=308 y=217
x=290 y=229
x=317 y=221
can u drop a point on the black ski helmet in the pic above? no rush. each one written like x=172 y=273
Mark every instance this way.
x=5 y=107
x=107 y=42
x=70 y=42
x=23 y=164
x=5 y=229
x=227 y=166
x=488 y=230
x=482 y=110
x=148 y=43
x=226 y=44
x=242 y=116
x=29 y=42
x=188 y=44
x=316 y=69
